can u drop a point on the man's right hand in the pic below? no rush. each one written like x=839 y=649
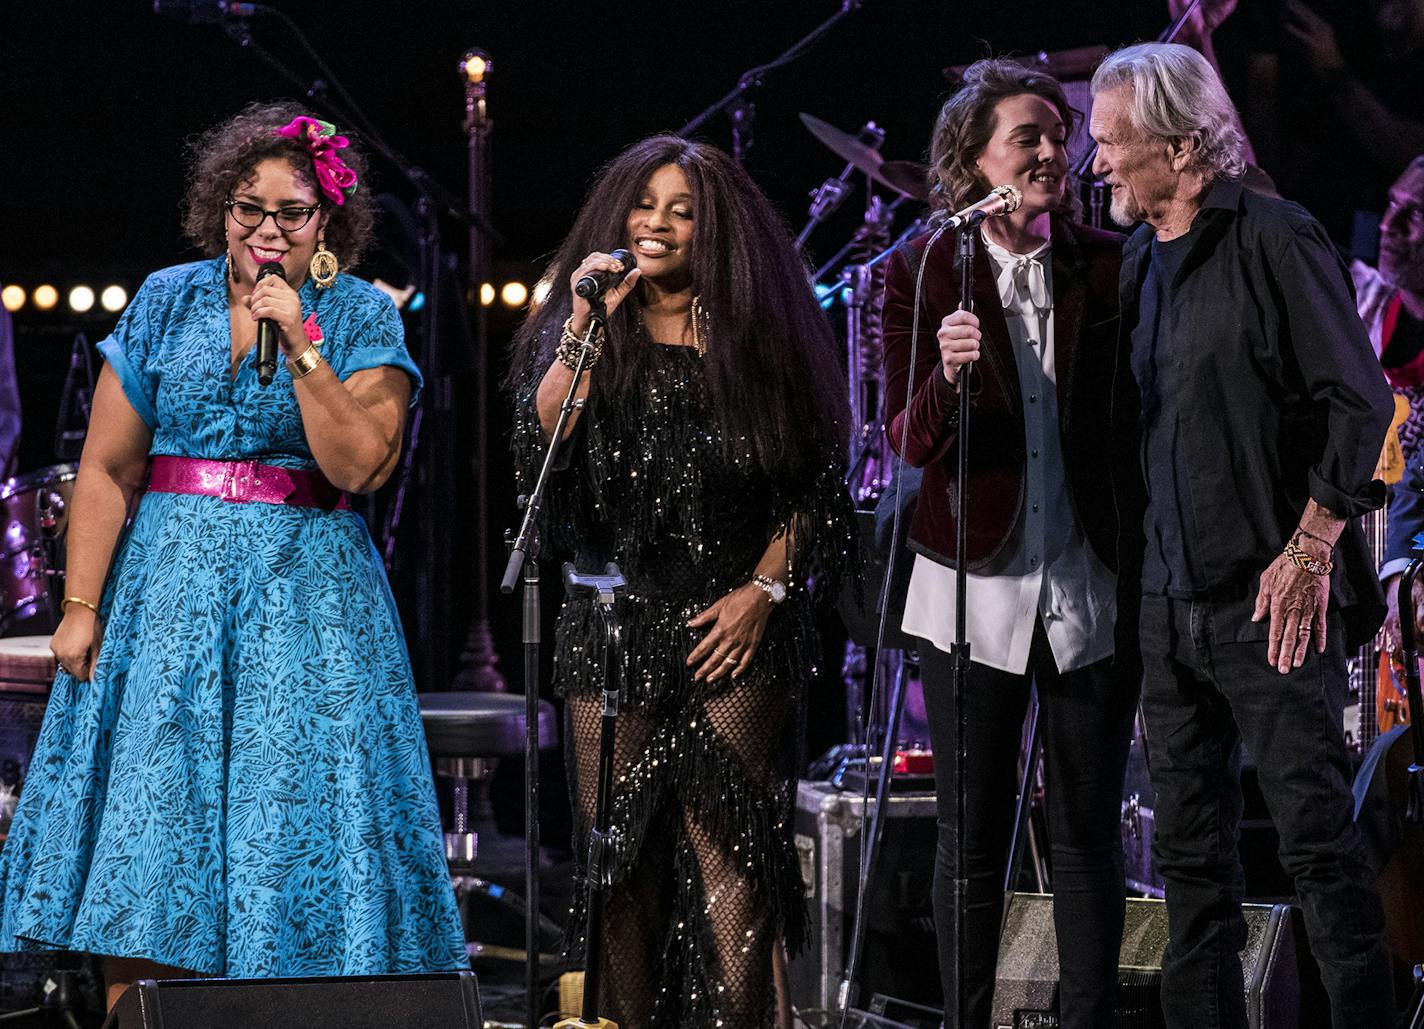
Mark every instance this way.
x=958 y=343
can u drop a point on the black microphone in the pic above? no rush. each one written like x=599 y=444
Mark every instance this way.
x=595 y=284
x=204 y=12
x=267 y=331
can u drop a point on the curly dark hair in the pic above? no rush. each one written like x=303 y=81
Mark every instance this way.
x=773 y=366
x=224 y=157
x=966 y=123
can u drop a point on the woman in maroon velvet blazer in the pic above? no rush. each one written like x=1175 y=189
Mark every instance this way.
x=1043 y=532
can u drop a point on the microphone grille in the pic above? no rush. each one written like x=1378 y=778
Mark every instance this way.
x=1013 y=196
x=271 y=268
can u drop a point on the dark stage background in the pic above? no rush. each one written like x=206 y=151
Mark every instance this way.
x=97 y=98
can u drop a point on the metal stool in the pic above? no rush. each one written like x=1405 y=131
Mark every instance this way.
x=465 y=732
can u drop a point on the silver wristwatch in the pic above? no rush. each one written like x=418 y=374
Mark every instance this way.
x=773 y=588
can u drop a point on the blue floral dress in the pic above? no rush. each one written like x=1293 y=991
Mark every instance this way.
x=243 y=788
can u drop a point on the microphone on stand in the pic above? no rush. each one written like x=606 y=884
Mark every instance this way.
x=267 y=331
x=1001 y=200
x=595 y=284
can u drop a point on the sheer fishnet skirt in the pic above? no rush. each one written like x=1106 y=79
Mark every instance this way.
x=707 y=881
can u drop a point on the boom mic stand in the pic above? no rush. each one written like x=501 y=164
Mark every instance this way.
x=737 y=102
x=524 y=557
x=602 y=861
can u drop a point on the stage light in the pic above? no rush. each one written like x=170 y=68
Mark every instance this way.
x=475 y=65
x=514 y=294
x=81 y=299
x=487 y=294
x=542 y=289
x=12 y=297
x=45 y=297
x=113 y=298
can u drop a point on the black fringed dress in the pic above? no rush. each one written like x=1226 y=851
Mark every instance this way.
x=705 y=773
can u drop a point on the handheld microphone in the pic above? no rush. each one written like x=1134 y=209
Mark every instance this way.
x=204 y=12
x=595 y=284
x=267 y=331
x=1001 y=200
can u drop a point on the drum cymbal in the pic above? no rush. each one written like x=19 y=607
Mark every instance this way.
x=905 y=177
x=908 y=177
x=843 y=145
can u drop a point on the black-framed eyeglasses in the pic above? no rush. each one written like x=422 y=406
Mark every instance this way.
x=288 y=219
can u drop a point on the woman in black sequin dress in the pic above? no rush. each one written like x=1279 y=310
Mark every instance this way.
x=707 y=462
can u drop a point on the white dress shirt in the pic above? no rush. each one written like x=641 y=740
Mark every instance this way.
x=1047 y=570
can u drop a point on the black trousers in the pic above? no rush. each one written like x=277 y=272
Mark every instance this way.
x=1203 y=696
x=1086 y=721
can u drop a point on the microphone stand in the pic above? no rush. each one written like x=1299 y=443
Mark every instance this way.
x=737 y=103
x=959 y=649
x=524 y=557
x=602 y=862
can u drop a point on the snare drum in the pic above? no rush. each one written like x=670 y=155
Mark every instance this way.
x=34 y=514
x=26 y=664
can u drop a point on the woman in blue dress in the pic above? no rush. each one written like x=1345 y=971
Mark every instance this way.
x=232 y=778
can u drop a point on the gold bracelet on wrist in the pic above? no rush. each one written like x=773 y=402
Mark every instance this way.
x=570 y=345
x=1298 y=557
x=305 y=362
x=63 y=604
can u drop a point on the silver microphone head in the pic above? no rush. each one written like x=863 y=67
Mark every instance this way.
x=1013 y=196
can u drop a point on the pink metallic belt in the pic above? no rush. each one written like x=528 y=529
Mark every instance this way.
x=245 y=482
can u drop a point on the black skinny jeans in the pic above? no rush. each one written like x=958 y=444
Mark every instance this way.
x=1085 y=718
x=1203 y=696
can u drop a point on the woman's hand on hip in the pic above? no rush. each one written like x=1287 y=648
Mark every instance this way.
x=738 y=622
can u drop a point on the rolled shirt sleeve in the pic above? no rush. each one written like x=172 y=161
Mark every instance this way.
x=1340 y=371
x=127 y=350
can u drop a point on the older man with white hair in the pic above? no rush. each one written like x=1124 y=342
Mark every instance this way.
x=1262 y=413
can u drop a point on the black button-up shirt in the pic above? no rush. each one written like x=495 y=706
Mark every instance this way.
x=1260 y=391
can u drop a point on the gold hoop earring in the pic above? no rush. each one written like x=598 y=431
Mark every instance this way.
x=701 y=327
x=324 y=266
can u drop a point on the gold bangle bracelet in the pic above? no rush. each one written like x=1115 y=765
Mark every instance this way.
x=63 y=604
x=304 y=363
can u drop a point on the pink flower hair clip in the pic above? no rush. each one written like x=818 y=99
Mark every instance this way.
x=336 y=179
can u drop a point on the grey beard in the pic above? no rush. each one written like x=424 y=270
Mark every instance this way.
x=1123 y=214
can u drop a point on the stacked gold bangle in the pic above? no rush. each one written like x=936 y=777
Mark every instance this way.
x=305 y=362
x=570 y=345
x=80 y=601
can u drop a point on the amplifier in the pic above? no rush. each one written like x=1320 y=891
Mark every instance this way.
x=1025 y=994
x=437 y=1000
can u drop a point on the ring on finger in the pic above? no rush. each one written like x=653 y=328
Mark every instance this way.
x=730 y=660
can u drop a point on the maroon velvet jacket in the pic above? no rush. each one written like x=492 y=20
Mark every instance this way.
x=1085 y=294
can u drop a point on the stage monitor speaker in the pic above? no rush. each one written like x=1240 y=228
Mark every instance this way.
x=444 y=1000
x=1025 y=994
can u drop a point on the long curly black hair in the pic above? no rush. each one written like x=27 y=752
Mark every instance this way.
x=224 y=157
x=774 y=371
